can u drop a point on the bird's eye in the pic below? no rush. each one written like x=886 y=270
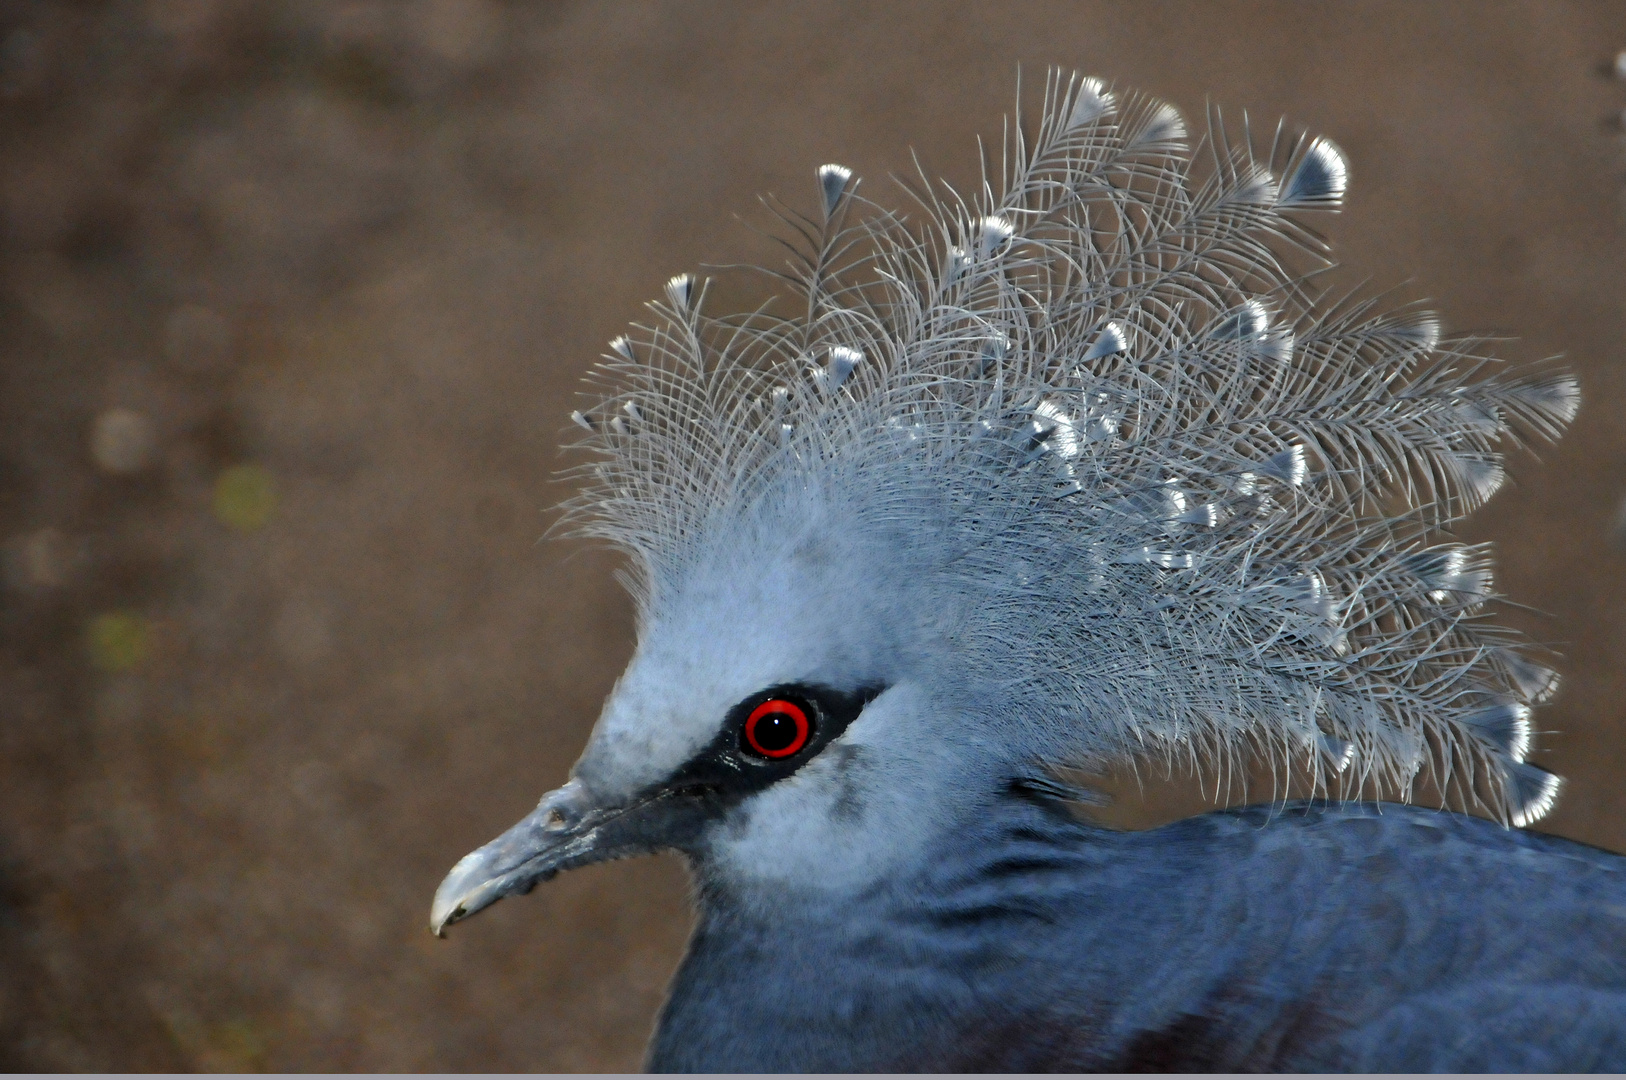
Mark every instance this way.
x=777 y=729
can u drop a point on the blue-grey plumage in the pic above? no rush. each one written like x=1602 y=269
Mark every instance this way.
x=1294 y=938
x=1079 y=471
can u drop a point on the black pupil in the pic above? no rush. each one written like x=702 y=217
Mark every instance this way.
x=775 y=732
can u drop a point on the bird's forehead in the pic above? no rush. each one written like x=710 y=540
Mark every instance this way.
x=744 y=616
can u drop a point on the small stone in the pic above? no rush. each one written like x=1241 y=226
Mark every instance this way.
x=123 y=442
x=1620 y=64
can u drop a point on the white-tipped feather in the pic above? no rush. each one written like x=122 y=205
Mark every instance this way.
x=1452 y=574
x=680 y=291
x=1477 y=477
x=1551 y=402
x=833 y=186
x=840 y=364
x=1338 y=752
x=1421 y=329
x=1206 y=516
x=1112 y=339
x=1505 y=726
x=1251 y=325
x=993 y=233
x=1256 y=188
x=1145 y=556
x=1090 y=103
x=1164 y=129
x=1531 y=681
x=1289 y=466
x=1319 y=179
x=1113 y=317
x=1529 y=792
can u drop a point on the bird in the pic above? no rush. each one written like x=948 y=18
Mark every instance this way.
x=1083 y=467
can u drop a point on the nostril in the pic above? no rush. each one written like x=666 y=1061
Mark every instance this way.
x=555 y=820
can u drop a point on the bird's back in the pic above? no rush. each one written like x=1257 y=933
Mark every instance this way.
x=1301 y=937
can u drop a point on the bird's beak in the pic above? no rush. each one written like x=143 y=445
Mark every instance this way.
x=568 y=828
x=529 y=852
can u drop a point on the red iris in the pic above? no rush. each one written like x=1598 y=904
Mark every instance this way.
x=777 y=728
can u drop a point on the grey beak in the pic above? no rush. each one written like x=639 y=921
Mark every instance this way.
x=562 y=829
x=568 y=828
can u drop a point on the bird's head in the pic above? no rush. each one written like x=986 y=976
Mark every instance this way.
x=1076 y=471
x=783 y=719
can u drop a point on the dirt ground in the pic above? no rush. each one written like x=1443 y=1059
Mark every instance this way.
x=294 y=298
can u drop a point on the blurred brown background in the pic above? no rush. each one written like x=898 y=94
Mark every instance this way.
x=293 y=301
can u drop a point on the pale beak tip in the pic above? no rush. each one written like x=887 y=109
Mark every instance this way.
x=440 y=920
x=511 y=863
x=453 y=899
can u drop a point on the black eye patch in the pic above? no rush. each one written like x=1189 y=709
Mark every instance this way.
x=767 y=737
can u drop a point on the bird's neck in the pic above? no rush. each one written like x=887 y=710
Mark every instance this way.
x=869 y=971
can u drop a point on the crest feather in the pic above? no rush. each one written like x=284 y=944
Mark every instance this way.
x=1192 y=503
